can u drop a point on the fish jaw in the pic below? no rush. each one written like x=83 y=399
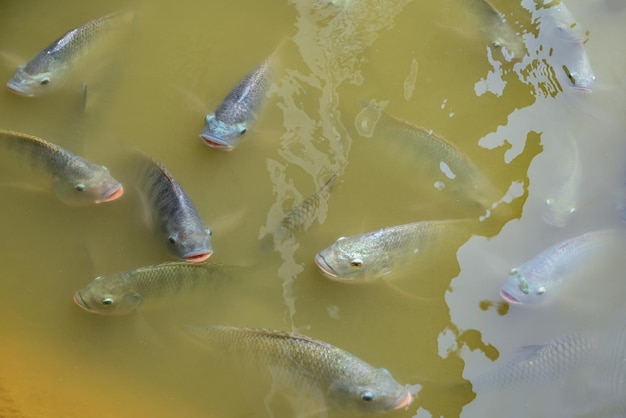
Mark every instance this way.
x=214 y=142
x=113 y=194
x=15 y=87
x=325 y=268
x=198 y=257
x=403 y=401
x=509 y=297
x=78 y=299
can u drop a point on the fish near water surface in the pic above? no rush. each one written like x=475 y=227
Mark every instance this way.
x=562 y=201
x=384 y=253
x=540 y=278
x=172 y=212
x=500 y=35
x=74 y=179
x=48 y=70
x=231 y=120
x=122 y=293
x=309 y=365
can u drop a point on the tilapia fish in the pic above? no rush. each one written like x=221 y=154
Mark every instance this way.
x=541 y=277
x=74 y=179
x=306 y=364
x=453 y=169
x=172 y=212
x=225 y=127
x=383 y=253
x=541 y=363
x=500 y=35
x=49 y=69
x=122 y=293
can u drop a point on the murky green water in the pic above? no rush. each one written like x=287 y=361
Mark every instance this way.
x=425 y=62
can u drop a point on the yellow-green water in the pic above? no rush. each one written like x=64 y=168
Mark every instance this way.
x=426 y=61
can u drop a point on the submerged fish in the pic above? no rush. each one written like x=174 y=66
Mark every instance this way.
x=303 y=363
x=121 y=293
x=50 y=67
x=541 y=363
x=499 y=33
x=385 y=252
x=225 y=127
x=562 y=202
x=454 y=169
x=74 y=179
x=567 y=39
x=302 y=215
x=540 y=277
x=173 y=213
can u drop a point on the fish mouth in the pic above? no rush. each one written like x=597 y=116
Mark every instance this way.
x=509 y=297
x=216 y=143
x=403 y=401
x=198 y=257
x=15 y=88
x=78 y=299
x=112 y=194
x=325 y=268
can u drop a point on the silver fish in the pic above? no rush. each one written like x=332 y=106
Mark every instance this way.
x=500 y=35
x=541 y=363
x=49 y=69
x=540 y=277
x=561 y=204
x=225 y=127
x=307 y=364
x=454 y=169
x=173 y=213
x=74 y=179
x=122 y=293
x=383 y=253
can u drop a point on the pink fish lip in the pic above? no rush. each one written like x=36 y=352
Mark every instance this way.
x=113 y=194
x=198 y=257
x=323 y=266
x=14 y=88
x=78 y=299
x=214 y=143
x=403 y=401
x=509 y=297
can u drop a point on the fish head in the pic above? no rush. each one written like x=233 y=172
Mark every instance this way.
x=27 y=83
x=107 y=296
x=519 y=289
x=558 y=213
x=87 y=184
x=581 y=77
x=222 y=135
x=371 y=390
x=191 y=244
x=509 y=46
x=347 y=260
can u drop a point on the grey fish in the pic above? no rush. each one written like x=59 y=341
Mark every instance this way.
x=454 y=169
x=48 y=69
x=74 y=179
x=540 y=277
x=541 y=363
x=500 y=35
x=383 y=253
x=307 y=364
x=562 y=201
x=122 y=293
x=173 y=213
x=225 y=127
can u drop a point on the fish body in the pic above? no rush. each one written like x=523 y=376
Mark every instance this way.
x=561 y=204
x=541 y=363
x=500 y=35
x=382 y=253
x=172 y=212
x=74 y=179
x=122 y=293
x=307 y=364
x=304 y=213
x=540 y=277
x=456 y=171
x=225 y=127
x=49 y=69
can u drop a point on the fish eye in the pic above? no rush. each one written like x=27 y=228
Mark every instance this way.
x=541 y=291
x=243 y=131
x=209 y=232
x=496 y=44
x=356 y=262
x=107 y=301
x=367 y=396
x=172 y=239
x=44 y=81
x=569 y=75
x=80 y=187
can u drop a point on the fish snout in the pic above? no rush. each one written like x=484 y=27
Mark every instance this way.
x=198 y=257
x=112 y=194
x=216 y=143
x=17 y=89
x=404 y=400
x=78 y=299
x=324 y=267
x=509 y=297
